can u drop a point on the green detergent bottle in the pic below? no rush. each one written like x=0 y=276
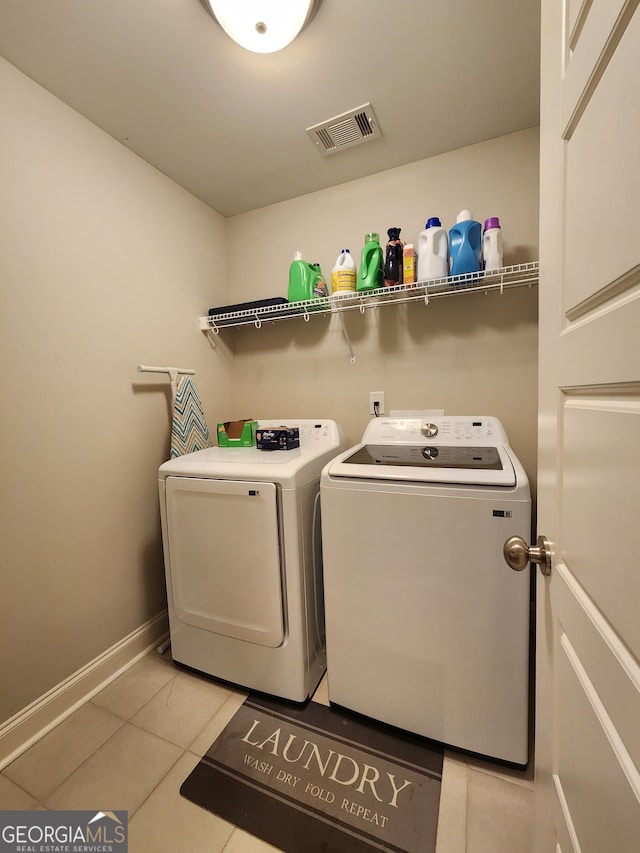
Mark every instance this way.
x=305 y=281
x=371 y=273
x=320 y=289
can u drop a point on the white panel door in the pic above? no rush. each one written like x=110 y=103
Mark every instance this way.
x=225 y=559
x=588 y=625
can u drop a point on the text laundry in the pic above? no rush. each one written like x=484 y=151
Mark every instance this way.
x=335 y=766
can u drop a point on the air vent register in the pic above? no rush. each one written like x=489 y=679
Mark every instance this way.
x=345 y=131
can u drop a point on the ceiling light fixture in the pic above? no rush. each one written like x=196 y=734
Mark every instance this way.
x=262 y=26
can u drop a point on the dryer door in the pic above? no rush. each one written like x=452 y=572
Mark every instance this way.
x=225 y=558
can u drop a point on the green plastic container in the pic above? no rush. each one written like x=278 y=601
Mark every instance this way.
x=305 y=281
x=371 y=273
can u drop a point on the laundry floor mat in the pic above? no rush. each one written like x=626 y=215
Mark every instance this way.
x=314 y=779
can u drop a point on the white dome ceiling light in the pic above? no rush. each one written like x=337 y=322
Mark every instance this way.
x=262 y=26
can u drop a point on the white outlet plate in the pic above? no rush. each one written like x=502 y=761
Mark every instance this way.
x=376 y=397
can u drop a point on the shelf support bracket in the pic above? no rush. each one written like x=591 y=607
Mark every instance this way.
x=345 y=334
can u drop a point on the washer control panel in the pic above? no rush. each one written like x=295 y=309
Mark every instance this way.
x=453 y=430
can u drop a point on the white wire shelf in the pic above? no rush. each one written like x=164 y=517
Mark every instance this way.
x=518 y=275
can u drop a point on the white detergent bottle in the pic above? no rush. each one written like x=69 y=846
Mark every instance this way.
x=492 y=244
x=433 y=251
x=343 y=275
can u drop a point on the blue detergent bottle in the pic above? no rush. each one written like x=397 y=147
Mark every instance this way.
x=465 y=245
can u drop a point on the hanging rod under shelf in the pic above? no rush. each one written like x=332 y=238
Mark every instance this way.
x=172 y=372
x=147 y=368
x=518 y=275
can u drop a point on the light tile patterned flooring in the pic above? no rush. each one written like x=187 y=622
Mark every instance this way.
x=136 y=741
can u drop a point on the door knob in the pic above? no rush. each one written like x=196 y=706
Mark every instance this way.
x=518 y=554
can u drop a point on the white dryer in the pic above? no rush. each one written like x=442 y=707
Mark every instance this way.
x=243 y=561
x=427 y=626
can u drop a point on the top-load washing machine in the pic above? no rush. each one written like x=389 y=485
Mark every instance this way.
x=427 y=626
x=243 y=560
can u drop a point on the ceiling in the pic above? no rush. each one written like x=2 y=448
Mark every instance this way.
x=164 y=79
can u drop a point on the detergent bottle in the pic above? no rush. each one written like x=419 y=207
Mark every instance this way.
x=492 y=244
x=433 y=251
x=393 y=258
x=343 y=274
x=465 y=245
x=304 y=280
x=371 y=275
x=319 y=285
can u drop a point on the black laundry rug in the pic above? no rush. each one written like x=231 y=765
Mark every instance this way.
x=314 y=779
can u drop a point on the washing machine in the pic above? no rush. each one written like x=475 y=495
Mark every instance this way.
x=243 y=560
x=427 y=626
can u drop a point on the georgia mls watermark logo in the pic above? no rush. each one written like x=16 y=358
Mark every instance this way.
x=63 y=832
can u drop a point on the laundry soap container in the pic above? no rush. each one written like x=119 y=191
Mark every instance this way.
x=320 y=289
x=305 y=281
x=492 y=244
x=371 y=274
x=393 y=258
x=433 y=251
x=409 y=265
x=465 y=245
x=343 y=274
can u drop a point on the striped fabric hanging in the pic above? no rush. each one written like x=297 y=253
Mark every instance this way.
x=189 y=429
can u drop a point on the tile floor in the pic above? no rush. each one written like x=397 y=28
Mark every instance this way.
x=136 y=741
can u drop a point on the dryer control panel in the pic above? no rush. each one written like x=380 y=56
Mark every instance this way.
x=313 y=433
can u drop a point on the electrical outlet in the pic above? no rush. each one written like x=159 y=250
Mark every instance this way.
x=376 y=397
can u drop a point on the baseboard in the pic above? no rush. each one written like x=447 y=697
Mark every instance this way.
x=25 y=728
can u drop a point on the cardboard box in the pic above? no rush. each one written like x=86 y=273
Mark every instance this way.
x=278 y=438
x=237 y=433
x=408 y=264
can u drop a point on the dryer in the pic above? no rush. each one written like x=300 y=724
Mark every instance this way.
x=243 y=560
x=427 y=627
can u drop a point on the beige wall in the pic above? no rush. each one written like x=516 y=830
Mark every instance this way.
x=468 y=354
x=104 y=264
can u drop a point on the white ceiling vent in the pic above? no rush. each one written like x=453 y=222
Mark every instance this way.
x=345 y=131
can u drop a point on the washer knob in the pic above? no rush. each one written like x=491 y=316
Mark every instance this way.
x=429 y=430
x=430 y=452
